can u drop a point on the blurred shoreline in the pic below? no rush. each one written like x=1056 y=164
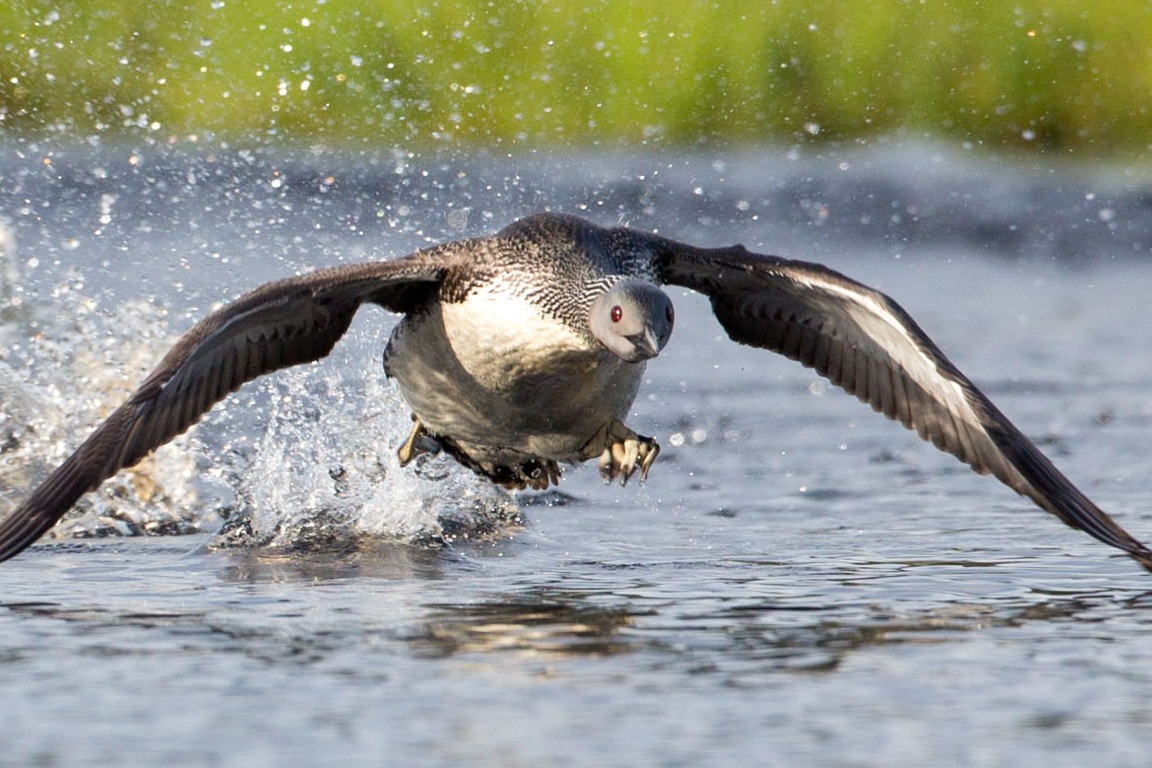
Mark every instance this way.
x=1056 y=77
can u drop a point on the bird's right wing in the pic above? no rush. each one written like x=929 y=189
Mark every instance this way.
x=280 y=324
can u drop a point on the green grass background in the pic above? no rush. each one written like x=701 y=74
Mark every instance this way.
x=1069 y=76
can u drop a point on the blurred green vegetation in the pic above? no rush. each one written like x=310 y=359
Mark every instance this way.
x=1067 y=75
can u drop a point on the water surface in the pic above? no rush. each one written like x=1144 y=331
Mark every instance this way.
x=799 y=582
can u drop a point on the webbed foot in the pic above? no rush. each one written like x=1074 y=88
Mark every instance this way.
x=536 y=474
x=419 y=442
x=621 y=452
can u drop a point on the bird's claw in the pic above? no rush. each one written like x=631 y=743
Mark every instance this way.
x=622 y=452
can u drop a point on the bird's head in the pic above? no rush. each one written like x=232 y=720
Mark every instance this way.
x=633 y=319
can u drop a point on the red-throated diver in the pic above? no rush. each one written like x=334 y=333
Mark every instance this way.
x=524 y=351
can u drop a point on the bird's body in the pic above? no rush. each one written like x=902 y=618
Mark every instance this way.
x=505 y=383
x=501 y=367
x=522 y=352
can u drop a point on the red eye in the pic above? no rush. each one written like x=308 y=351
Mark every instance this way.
x=617 y=313
x=668 y=314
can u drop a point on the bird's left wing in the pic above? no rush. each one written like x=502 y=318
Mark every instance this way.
x=868 y=345
x=284 y=323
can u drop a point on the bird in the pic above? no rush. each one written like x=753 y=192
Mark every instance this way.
x=521 y=353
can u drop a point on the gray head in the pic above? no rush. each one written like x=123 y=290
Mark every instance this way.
x=633 y=319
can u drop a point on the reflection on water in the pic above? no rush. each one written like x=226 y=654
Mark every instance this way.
x=541 y=623
x=499 y=633
x=360 y=557
x=737 y=638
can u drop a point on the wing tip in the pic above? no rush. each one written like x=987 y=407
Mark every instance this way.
x=1143 y=558
x=21 y=530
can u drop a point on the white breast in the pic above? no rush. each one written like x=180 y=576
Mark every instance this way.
x=500 y=339
x=504 y=380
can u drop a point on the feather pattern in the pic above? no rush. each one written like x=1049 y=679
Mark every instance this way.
x=281 y=324
x=865 y=343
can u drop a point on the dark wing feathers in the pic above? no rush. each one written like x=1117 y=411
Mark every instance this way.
x=865 y=343
x=281 y=324
x=856 y=337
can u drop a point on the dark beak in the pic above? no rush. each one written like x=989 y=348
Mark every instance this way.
x=647 y=346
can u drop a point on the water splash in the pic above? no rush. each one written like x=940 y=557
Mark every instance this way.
x=56 y=378
x=322 y=471
x=299 y=460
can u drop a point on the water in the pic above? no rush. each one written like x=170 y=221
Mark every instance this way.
x=799 y=582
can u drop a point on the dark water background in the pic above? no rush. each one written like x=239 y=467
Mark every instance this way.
x=800 y=581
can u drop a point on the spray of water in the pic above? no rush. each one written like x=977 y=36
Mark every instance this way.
x=57 y=378
x=303 y=459
x=322 y=470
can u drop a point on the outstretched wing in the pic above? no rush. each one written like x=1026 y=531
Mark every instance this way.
x=865 y=343
x=275 y=326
